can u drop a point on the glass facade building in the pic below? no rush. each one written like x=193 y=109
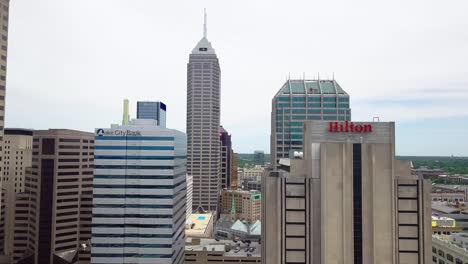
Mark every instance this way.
x=152 y=110
x=139 y=194
x=301 y=100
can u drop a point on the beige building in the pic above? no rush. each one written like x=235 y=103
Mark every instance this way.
x=450 y=249
x=4 y=18
x=245 y=205
x=251 y=174
x=346 y=199
x=53 y=214
x=17 y=156
x=199 y=225
x=211 y=251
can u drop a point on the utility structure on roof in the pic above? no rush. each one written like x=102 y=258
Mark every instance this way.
x=203 y=120
x=298 y=101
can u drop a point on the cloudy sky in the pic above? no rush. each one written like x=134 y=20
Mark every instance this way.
x=71 y=63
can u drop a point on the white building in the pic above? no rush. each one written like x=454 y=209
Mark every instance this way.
x=139 y=204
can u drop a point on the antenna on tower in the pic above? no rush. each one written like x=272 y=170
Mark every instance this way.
x=204 y=25
x=333 y=75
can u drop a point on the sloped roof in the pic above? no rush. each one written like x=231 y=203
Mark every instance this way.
x=256 y=228
x=239 y=226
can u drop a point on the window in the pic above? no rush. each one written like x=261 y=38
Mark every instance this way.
x=441 y=253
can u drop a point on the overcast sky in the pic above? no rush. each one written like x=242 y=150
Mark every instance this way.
x=71 y=63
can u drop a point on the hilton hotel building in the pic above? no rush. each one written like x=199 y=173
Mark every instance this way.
x=346 y=199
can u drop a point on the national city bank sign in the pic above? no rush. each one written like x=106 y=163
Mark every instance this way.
x=117 y=132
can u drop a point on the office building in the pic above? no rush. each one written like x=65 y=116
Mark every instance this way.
x=226 y=159
x=189 y=196
x=245 y=205
x=447 y=249
x=139 y=205
x=4 y=17
x=346 y=199
x=211 y=251
x=251 y=174
x=298 y=101
x=53 y=214
x=152 y=110
x=17 y=156
x=203 y=120
x=234 y=171
x=259 y=158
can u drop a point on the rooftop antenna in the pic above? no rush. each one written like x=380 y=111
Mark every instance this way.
x=204 y=25
x=318 y=76
x=303 y=76
x=375 y=119
x=333 y=75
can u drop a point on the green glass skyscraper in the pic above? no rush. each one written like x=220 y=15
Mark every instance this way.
x=298 y=101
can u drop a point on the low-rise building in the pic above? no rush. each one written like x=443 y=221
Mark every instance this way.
x=449 y=193
x=199 y=225
x=448 y=249
x=211 y=251
x=229 y=228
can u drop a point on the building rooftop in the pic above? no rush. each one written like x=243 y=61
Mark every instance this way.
x=442 y=207
x=198 y=225
x=230 y=248
x=292 y=87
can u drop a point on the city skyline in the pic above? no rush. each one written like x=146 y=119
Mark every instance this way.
x=395 y=69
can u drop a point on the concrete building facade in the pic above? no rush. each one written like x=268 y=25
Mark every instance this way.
x=203 y=121
x=53 y=214
x=298 y=101
x=346 y=200
x=139 y=205
x=17 y=157
x=449 y=249
x=4 y=18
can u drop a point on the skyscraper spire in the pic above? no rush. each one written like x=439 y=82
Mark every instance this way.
x=204 y=26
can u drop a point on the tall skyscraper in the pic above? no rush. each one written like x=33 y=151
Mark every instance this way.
x=226 y=150
x=17 y=156
x=203 y=120
x=53 y=215
x=346 y=200
x=298 y=101
x=4 y=15
x=139 y=205
x=152 y=110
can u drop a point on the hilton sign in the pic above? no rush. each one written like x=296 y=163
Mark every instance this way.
x=349 y=127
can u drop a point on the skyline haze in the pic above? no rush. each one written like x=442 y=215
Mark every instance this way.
x=402 y=61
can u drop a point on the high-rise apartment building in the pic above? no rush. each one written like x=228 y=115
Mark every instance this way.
x=346 y=200
x=139 y=205
x=4 y=17
x=203 y=120
x=17 y=156
x=53 y=214
x=298 y=101
x=152 y=110
x=226 y=150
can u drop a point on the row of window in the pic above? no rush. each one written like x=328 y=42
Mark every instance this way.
x=313 y=99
